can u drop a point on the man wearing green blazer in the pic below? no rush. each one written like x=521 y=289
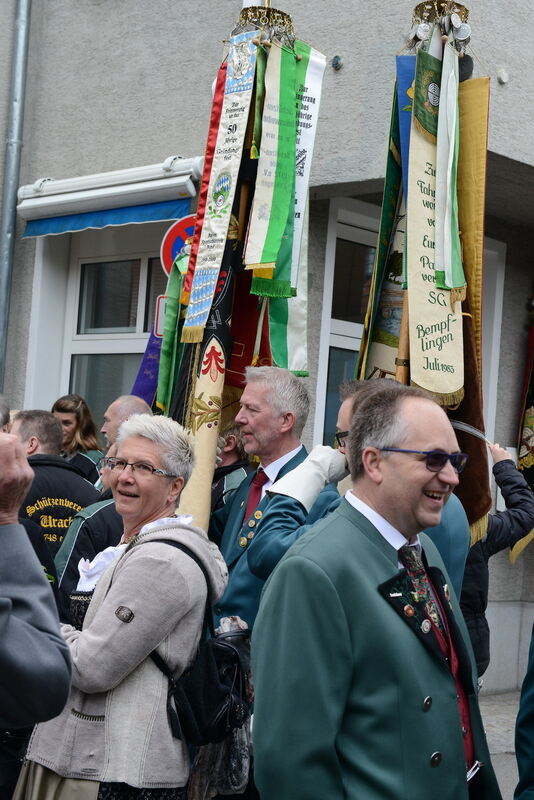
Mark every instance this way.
x=361 y=692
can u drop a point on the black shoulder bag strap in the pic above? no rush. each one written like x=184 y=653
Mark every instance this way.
x=208 y=619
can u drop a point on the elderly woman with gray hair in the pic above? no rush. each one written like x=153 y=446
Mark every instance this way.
x=113 y=739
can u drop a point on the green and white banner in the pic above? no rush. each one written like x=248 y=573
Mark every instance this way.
x=276 y=166
x=448 y=261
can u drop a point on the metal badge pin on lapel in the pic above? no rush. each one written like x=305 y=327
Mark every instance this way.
x=409 y=610
x=426 y=626
x=395 y=594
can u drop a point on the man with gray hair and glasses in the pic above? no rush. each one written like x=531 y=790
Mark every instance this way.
x=365 y=681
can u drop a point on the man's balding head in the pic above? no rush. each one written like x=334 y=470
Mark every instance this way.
x=119 y=411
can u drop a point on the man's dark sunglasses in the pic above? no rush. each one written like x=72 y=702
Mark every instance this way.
x=435 y=460
x=341 y=438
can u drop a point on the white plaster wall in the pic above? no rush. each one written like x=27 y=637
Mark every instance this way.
x=511 y=629
x=123 y=83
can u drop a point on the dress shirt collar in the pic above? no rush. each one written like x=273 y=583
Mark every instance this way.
x=392 y=536
x=274 y=468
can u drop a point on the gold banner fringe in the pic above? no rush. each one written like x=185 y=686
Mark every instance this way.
x=450 y=399
x=193 y=334
x=261 y=272
x=519 y=546
x=478 y=529
x=525 y=462
x=430 y=137
x=267 y=265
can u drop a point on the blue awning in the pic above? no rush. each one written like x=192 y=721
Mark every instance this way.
x=71 y=223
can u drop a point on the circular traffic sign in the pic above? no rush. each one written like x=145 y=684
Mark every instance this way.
x=175 y=240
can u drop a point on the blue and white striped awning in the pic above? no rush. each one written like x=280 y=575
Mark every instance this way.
x=103 y=218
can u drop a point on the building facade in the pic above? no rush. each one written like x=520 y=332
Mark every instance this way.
x=116 y=89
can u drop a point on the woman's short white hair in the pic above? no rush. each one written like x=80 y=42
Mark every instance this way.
x=173 y=441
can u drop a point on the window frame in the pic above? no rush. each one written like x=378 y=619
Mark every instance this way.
x=106 y=342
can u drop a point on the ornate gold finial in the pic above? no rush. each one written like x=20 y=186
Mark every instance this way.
x=277 y=24
x=433 y=11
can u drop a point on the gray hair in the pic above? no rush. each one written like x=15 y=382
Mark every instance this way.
x=4 y=412
x=378 y=422
x=175 y=444
x=286 y=392
x=44 y=426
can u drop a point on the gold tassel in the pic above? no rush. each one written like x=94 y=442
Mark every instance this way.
x=430 y=137
x=193 y=334
x=478 y=529
x=519 y=546
x=458 y=295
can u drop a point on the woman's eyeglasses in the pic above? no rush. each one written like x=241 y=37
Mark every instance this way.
x=119 y=465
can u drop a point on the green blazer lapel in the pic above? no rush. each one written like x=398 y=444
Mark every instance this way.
x=398 y=593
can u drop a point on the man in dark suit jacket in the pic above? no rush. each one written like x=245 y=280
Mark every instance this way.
x=365 y=685
x=274 y=409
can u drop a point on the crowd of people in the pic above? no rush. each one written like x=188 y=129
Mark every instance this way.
x=367 y=610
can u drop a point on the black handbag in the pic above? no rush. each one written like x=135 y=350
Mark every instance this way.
x=213 y=696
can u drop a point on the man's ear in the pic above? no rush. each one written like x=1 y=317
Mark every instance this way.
x=32 y=445
x=372 y=464
x=230 y=443
x=288 y=420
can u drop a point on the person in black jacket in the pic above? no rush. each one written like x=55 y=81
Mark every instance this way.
x=505 y=528
x=58 y=490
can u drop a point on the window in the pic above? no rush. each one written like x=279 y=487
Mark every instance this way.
x=111 y=302
x=350 y=253
x=115 y=314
